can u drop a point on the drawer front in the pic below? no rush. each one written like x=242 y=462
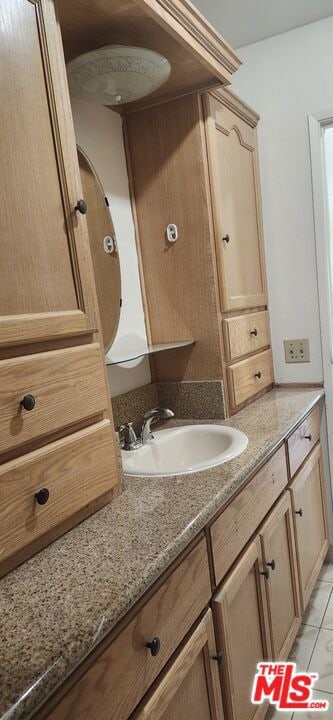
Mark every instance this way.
x=68 y=386
x=248 y=377
x=75 y=470
x=246 y=334
x=236 y=525
x=303 y=440
x=120 y=677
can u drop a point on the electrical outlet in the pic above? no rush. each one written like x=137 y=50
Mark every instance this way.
x=297 y=351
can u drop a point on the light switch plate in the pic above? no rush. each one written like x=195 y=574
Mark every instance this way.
x=297 y=351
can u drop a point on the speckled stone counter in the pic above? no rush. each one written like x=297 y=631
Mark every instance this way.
x=57 y=606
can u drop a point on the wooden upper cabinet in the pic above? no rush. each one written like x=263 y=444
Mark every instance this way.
x=232 y=146
x=45 y=272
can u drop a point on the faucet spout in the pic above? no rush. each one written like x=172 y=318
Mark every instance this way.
x=151 y=417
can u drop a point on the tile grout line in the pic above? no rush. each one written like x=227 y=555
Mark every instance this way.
x=319 y=629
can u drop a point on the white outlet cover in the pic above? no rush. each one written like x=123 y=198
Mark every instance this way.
x=297 y=351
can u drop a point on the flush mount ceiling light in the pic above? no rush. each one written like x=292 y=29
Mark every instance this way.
x=116 y=74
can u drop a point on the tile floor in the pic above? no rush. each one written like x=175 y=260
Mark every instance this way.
x=313 y=648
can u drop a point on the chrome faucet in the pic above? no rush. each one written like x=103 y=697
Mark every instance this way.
x=151 y=417
x=129 y=440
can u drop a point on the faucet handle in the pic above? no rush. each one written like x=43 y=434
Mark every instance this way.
x=129 y=437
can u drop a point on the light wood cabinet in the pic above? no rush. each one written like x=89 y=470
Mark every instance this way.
x=279 y=558
x=237 y=524
x=190 y=687
x=303 y=440
x=242 y=632
x=232 y=147
x=205 y=181
x=45 y=274
x=124 y=672
x=53 y=382
x=310 y=517
x=248 y=377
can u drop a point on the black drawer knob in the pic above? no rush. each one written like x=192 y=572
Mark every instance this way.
x=272 y=564
x=28 y=402
x=308 y=437
x=258 y=375
x=226 y=239
x=81 y=207
x=265 y=573
x=218 y=657
x=42 y=496
x=154 y=646
x=254 y=332
x=299 y=512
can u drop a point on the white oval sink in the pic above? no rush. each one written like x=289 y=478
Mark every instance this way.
x=184 y=449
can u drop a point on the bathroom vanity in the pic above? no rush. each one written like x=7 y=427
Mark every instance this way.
x=163 y=600
x=160 y=604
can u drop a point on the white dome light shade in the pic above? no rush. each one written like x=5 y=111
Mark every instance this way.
x=116 y=74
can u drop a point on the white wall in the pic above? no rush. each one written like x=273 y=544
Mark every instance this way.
x=99 y=133
x=285 y=78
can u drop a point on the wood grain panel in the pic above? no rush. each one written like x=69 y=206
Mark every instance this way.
x=169 y=181
x=303 y=440
x=248 y=377
x=123 y=673
x=242 y=633
x=238 y=522
x=245 y=334
x=46 y=285
x=68 y=386
x=190 y=687
x=199 y=56
x=311 y=525
x=76 y=470
x=232 y=147
x=282 y=586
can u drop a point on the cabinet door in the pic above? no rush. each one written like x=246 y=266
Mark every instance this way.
x=46 y=281
x=241 y=624
x=190 y=688
x=279 y=556
x=236 y=196
x=309 y=507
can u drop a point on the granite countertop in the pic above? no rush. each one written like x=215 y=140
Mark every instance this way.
x=59 y=604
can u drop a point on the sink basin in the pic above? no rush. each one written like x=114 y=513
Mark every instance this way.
x=183 y=450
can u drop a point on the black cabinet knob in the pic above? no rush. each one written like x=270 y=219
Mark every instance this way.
x=81 y=207
x=258 y=375
x=254 y=332
x=42 y=496
x=154 y=646
x=299 y=512
x=308 y=437
x=28 y=402
x=226 y=239
x=265 y=573
x=218 y=657
x=272 y=564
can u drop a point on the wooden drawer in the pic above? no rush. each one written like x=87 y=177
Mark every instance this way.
x=236 y=525
x=68 y=386
x=120 y=677
x=248 y=377
x=303 y=440
x=246 y=334
x=75 y=470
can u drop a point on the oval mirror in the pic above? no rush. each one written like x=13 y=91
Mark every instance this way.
x=104 y=250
